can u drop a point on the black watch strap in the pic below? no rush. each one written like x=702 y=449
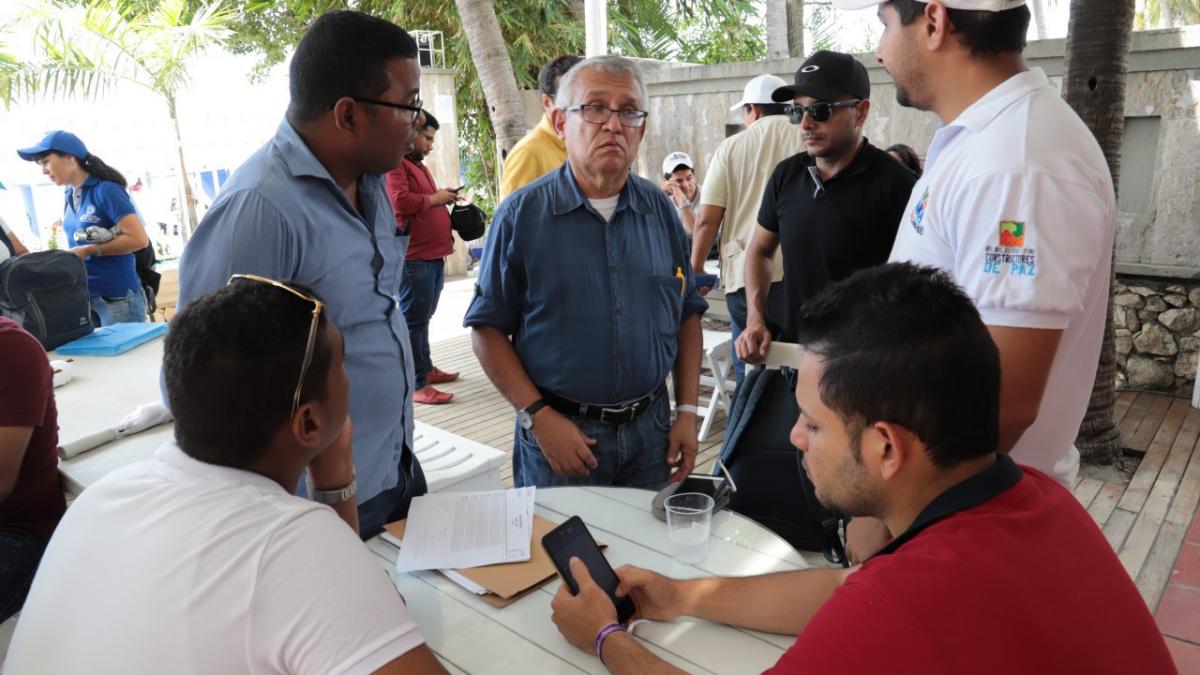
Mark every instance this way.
x=536 y=406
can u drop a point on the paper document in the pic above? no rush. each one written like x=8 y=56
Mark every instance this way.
x=467 y=529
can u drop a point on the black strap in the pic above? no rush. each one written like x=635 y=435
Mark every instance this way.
x=12 y=250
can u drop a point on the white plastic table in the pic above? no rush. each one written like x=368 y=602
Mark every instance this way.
x=471 y=636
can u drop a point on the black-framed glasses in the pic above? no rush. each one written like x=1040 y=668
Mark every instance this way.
x=416 y=110
x=819 y=112
x=318 y=306
x=599 y=114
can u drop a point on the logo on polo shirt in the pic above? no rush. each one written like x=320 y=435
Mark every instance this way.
x=917 y=216
x=1012 y=233
x=1011 y=256
x=89 y=215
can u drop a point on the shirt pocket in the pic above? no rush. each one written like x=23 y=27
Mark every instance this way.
x=667 y=304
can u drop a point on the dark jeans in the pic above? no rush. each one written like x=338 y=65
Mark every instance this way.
x=392 y=505
x=736 y=302
x=420 y=287
x=628 y=455
x=20 y=554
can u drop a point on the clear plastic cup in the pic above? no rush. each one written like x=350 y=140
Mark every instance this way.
x=689 y=520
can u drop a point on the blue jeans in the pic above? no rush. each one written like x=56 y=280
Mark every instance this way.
x=420 y=287
x=736 y=302
x=628 y=455
x=20 y=553
x=392 y=505
x=128 y=308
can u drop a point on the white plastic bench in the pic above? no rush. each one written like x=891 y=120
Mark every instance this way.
x=455 y=464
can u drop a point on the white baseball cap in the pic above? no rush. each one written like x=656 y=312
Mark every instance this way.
x=675 y=159
x=759 y=91
x=979 y=5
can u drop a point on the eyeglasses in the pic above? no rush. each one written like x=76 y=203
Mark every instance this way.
x=416 y=110
x=598 y=114
x=819 y=112
x=318 y=306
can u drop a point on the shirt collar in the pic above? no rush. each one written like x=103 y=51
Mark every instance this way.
x=982 y=112
x=299 y=159
x=545 y=127
x=172 y=456
x=978 y=489
x=566 y=196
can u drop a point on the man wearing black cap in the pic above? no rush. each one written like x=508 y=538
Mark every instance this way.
x=833 y=209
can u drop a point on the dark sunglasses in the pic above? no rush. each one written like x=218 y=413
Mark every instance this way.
x=819 y=112
x=312 y=326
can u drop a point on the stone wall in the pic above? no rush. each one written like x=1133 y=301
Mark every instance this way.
x=1157 y=327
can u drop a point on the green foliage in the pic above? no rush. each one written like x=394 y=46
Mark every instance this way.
x=1151 y=14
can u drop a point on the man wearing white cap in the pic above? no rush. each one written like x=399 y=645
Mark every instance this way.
x=733 y=189
x=1016 y=203
x=679 y=184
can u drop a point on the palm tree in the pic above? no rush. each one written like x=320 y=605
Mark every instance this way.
x=1097 y=60
x=784 y=20
x=490 y=54
x=87 y=51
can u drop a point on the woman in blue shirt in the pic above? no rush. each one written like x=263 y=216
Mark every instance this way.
x=101 y=224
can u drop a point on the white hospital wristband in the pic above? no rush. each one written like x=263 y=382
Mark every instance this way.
x=684 y=408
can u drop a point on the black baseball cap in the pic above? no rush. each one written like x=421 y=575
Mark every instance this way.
x=826 y=76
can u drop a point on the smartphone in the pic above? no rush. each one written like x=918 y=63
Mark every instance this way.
x=572 y=539
x=706 y=484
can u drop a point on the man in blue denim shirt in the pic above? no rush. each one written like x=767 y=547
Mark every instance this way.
x=311 y=206
x=587 y=269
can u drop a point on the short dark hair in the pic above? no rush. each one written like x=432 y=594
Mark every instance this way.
x=767 y=109
x=904 y=344
x=430 y=121
x=553 y=71
x=908 y=157
x=678 y=167
x=983 y=33
x=343 y=53
x=230 y=364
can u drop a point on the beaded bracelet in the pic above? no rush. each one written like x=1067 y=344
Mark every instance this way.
x=604 y=633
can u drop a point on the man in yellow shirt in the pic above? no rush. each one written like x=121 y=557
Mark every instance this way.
x=541 y=151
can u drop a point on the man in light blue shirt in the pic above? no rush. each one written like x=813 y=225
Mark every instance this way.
x=587 y=270
x=311 y=206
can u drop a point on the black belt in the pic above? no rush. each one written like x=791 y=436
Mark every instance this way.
x=609 y=414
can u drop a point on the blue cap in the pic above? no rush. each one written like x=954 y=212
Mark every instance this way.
x=59 y=141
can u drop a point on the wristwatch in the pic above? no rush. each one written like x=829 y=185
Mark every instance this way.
x=333 y=496
x=525 y=415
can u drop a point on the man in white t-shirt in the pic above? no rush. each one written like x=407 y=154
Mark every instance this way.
x=201 y=560
x=1016 y=203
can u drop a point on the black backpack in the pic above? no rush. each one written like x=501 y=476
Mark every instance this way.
x=47 y=293
x=468 y=221
x=772 y=487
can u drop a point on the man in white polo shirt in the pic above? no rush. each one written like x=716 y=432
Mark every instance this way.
x=733 y=190
x=202 y=560
x=1016 y=203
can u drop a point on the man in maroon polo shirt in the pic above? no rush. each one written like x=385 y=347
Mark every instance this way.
x=994 y=568
x=31 y=497
x=421 y=213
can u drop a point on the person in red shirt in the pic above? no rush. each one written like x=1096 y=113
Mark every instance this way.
x=994 y=567
x=421 y=213
x=31 y=496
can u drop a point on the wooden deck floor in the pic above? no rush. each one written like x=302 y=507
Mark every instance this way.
x=1145 y=518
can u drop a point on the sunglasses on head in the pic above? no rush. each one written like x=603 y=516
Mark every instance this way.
x=818 y=112
x=318 y=306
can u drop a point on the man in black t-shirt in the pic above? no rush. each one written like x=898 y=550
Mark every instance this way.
x=835 y=208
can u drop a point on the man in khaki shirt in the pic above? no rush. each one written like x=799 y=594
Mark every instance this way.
x=733 y=189
x=541 y=150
